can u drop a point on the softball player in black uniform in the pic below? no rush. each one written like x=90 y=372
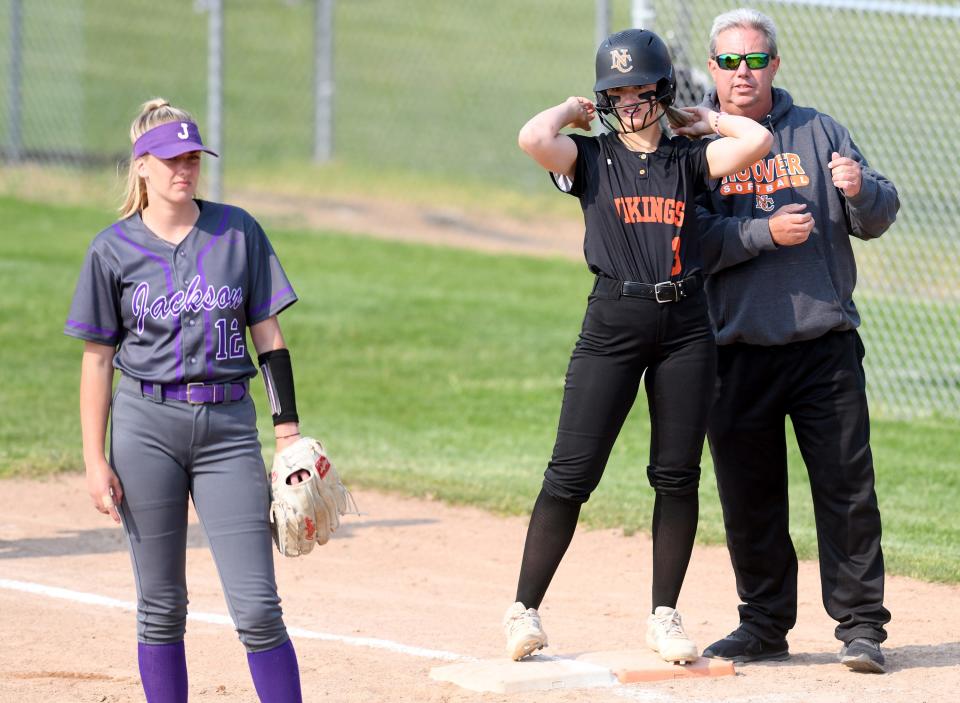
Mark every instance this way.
x=646 y=316
x=166 y=296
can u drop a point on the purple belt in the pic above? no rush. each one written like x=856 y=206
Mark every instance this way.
x=197 y=393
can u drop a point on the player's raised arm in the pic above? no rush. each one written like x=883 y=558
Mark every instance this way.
x=743 y=141
x=540 y=137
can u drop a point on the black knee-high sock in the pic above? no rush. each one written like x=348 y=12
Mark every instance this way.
x=674 y=530
x=552 y=525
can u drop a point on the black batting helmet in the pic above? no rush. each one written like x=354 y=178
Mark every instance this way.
x=634 y=57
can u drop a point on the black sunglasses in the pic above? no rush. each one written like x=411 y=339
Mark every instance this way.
x=731 y=62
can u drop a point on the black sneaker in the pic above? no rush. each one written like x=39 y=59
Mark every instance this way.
x=741 y=646
x=862 y=654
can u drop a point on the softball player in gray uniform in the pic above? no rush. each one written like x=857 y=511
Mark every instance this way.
x=166 y=296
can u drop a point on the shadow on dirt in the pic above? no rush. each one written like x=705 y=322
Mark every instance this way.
x=911 y=656
x=111 y=539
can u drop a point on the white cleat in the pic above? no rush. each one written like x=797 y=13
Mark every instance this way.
x=523 y=630
x=665 y=635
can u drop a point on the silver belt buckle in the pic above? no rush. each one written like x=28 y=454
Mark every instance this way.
x=666 y=285
x=191 y=386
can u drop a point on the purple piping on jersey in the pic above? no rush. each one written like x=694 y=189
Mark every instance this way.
x=282 y=292
x=90 y=328
x=168 y=274
x=207 y=324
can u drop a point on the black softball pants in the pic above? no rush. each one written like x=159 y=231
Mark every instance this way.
x=671 y=347
x=624 y=339
x=820 y=385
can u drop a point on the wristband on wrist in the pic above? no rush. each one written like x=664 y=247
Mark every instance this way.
x=716 y=121
x=278 y=379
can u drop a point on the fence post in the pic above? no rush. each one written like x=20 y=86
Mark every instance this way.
x=15 y=96
x=642 y=14
x=214 y=127
x=323 y=81
x=601 y=22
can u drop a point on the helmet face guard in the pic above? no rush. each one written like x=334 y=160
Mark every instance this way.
x=633 y=57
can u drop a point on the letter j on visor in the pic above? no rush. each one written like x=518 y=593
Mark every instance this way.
x=731 y=62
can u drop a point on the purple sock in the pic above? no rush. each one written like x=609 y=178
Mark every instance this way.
x=163 y=672
x=276 y=675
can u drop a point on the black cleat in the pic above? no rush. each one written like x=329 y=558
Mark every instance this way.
x=863 y=654
x=741 y=646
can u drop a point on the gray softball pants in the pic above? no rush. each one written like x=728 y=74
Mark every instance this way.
x=166 y=452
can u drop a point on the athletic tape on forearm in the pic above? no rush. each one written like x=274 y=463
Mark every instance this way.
x=278 y=379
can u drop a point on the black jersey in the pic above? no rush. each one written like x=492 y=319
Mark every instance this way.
x=638 y=209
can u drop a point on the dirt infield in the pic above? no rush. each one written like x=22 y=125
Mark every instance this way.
x=414 y=575
x=445 y=226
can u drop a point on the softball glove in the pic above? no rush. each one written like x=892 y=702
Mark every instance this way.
x=305 y=514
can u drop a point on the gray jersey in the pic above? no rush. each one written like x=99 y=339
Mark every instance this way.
x=179 y=313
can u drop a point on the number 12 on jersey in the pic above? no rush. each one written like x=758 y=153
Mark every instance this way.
x=229 y=346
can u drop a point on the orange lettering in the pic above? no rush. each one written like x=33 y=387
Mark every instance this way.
x=668 y=211
x=645 y=210
x=679 y=212
x=763 y=170
x=656 y=214
x=675 y=245
x=618 y=203
x=781 y=165
x=793 y=164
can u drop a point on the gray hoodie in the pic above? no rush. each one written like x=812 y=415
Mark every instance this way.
x=763 y=294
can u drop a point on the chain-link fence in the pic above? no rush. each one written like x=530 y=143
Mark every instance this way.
x=872 y=65
x=434 y=92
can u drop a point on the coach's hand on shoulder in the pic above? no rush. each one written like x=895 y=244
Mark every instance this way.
x=104 y=488
x=699 y=125
x=789 y=225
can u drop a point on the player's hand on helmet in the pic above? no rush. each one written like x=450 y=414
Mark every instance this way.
x=701 y=127
x=104 y=488
x=789 y=225
x=847 y=174
x=582 y=111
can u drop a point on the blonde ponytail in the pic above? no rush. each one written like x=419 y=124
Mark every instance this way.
x=152 y=114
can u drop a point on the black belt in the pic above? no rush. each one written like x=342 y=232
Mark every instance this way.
x=665 y=292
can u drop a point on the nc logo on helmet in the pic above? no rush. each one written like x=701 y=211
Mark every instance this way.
x=621 y=60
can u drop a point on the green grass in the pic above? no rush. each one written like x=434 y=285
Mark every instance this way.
x=429 y=98
x=429 y=371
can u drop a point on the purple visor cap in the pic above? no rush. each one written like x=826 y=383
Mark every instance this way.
x=169 y=140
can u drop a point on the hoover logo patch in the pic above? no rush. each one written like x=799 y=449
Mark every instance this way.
x=621 y=60
x=766 y=177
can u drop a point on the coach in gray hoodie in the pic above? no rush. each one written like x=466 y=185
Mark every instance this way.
x=781 y=273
